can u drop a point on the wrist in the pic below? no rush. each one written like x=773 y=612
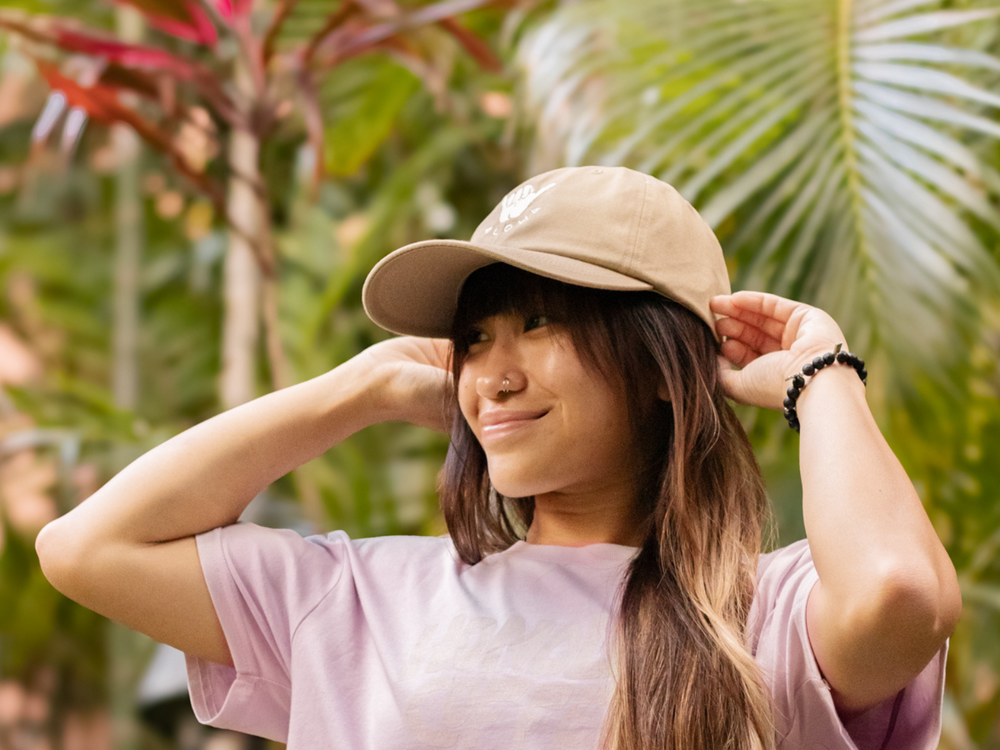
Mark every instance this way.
x=838 y=360
x=365 y=389
x=841 y=380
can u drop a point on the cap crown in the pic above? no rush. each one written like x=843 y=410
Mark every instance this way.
x=602 y=227
x=619 y=219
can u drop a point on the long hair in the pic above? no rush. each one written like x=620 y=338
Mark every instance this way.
x=684 y=677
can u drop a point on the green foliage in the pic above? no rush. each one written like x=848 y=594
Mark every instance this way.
x=742 y=107
x=848 y=156
x=362 y=102
x=39 y=626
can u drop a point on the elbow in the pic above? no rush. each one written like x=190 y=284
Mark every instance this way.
x=932 y=599
x=54 y=554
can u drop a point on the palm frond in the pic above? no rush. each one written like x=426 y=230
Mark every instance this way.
x=833 y=147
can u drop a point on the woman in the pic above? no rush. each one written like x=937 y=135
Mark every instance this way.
x=602 y=582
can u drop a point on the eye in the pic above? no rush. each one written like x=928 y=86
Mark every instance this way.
x=535 y=321
x=475 y=336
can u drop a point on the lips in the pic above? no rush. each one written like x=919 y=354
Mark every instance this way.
x=496 y=417
x=500 y=423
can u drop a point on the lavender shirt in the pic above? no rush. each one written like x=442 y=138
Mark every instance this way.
x=393 y=642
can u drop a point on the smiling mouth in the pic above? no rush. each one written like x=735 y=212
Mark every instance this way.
x=505 y=428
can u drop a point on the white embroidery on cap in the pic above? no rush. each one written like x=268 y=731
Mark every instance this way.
x=515 y=204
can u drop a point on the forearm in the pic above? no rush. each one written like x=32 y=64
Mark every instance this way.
x=864 y=520
x=206 y=476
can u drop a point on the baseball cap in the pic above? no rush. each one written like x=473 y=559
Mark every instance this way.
x=594 y=226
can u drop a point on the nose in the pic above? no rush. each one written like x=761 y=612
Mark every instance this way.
x=496 y=385
x=501 y=374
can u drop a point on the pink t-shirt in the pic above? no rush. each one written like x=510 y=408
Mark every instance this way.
x=394 y=642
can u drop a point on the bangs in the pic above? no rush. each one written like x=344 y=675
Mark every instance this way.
x=592 y=317
x=501 y=289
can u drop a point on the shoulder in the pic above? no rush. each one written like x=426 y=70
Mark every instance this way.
x=390 y=550
x=247 y=534
x=775 y=566
x=248 y=550
x=785 y=577
x=404 y=560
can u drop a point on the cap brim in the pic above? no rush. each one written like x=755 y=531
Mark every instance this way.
x=414 y=290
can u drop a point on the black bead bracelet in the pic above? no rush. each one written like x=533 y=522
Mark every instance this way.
x=810 y=369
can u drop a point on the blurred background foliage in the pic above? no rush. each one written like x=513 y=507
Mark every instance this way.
x=846 y=154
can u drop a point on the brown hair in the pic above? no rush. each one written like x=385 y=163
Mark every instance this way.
x=685 y=678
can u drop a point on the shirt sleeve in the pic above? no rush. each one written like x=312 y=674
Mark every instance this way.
x=805 y=715
x=263 y=582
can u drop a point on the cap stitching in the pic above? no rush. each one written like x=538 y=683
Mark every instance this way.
x=638 y=227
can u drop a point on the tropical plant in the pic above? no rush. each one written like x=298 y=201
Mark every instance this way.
x=830 y=144
x=408 y=160
x=244 y=87
x=846 y=155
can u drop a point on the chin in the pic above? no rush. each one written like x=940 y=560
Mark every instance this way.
x=508 y=485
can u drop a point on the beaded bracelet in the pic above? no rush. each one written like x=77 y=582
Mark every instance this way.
x=811 y=368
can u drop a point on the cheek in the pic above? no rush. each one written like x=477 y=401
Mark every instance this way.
x=467 y=396
x=605 y=414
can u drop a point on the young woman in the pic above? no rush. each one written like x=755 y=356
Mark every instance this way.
x=603 y=583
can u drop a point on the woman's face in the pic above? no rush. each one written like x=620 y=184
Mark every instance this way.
x=559 y=428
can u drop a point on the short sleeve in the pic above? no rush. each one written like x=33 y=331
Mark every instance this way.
x=263 y=582
x=805 y=715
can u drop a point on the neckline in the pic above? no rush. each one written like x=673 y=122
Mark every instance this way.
x=598 y=554
x=579 y=546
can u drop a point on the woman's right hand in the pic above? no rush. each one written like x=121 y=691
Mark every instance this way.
x=411 y=380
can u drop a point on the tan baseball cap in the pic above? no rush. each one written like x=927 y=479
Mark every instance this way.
x=602 y=227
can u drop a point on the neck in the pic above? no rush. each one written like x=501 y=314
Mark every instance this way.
x=578 y=520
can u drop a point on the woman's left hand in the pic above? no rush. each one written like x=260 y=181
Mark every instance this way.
x=770 y=338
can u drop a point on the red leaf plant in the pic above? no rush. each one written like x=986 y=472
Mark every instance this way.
x=247 y=98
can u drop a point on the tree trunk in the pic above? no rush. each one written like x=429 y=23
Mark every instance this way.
x=128 y=651
x=251 y=291
x=241 y=273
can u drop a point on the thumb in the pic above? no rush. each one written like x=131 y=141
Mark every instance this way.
x=729 y=377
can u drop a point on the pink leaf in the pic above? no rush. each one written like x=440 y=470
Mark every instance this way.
x=101 y=103
x=181 y=18
x=129 y=55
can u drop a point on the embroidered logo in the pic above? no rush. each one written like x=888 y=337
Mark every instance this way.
x=513 y=206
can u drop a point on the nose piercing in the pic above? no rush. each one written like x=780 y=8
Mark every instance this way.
x=506 y=382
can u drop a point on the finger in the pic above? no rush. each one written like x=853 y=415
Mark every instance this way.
x=747 y=334
x=738 y=353
x=769 y=326
x=445 y=351
x=769 y=312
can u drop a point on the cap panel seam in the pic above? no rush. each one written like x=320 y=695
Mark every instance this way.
x=638 y=228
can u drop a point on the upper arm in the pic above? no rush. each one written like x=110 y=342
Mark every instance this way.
x=158 y=589
x=869 y=655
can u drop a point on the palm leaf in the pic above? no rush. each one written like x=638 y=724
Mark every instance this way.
x=831 y=145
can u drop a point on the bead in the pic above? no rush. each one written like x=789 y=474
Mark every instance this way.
x=810 y=368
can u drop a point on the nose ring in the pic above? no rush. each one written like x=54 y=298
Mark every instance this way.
x=506 y=382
